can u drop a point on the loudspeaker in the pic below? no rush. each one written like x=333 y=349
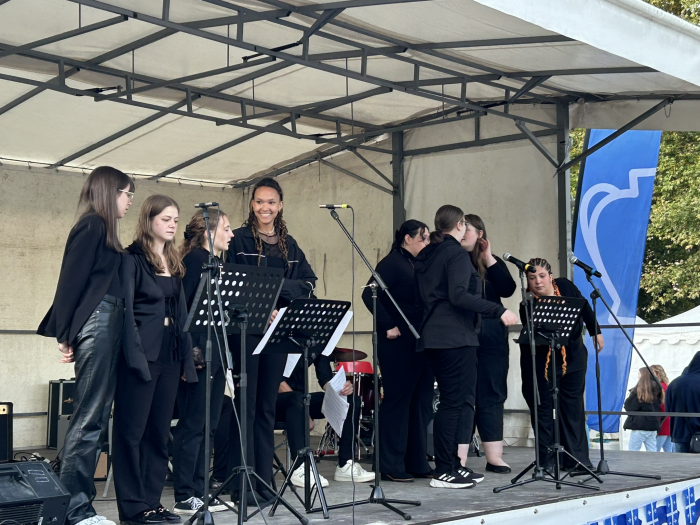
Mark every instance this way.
x=5 y=432
x=60 y=404
x=31 y=494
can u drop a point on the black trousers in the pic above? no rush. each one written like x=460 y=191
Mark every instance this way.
x=290 y=411
x=142 y=415
x=571 y=415
x=406 y=408
x=492 y=381
x=96 y=351
x=188 y=438
x=222 y=440
x=455 y=371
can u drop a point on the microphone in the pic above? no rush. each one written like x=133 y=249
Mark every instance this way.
x=333 y=206
x=206 y=205
x=523 y=267
x=588 y=269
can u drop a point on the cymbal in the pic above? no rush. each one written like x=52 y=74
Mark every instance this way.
x=347 y=355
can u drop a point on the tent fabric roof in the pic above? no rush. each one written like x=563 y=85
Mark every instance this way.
x=370 y=64
x=673 y=335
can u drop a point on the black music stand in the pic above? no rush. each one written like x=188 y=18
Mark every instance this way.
x=311 y=326
x=244 y=296
x=553 y=320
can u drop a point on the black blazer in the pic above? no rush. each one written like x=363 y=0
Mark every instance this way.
x=86 y=272
x=299 y=278
x=450 y=290
x=145 y=312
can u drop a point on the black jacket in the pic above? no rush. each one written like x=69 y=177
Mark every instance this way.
x=450 y=290
x=499 y=282
x=397 y=272
x=324 y=372
x=86 y=272
x=633 y=404
x=683 y=395
x=299 y=278
x=145 y=312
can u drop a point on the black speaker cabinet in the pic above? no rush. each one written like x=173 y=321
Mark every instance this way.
x=5 y=432
x=60 y=404
x=31 y=494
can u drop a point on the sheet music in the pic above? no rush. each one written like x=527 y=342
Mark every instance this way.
x=333 y=341
x=269 y=332
x=335 y=407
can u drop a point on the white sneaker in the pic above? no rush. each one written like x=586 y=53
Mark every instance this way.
x=188 y=507
x=96 y=520
x=298 y=478
x=352 y=471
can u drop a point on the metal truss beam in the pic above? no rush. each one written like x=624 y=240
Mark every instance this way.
x=3 y=2
x=397 y=174
x=324 y=19
x=607 y=140
x=477 y=143
x=580 y=71
x=529 y=86
x=515 y=41
x=371 y=166
x=356 y=177
x=536 y=142
x=301 y=61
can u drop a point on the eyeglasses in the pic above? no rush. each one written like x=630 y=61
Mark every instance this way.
x=129 y=194
x=464 y=223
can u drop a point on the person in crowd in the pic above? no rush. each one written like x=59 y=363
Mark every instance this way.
x=156 y=353
x=188 y=439
x=450 y=290
x=572 y=360
x=492 y=354
x=407 y=379
x=683 y=395
x=290 y=410
x=87 y=318
x=663 y=436
x=263 y=240
x=645 y=396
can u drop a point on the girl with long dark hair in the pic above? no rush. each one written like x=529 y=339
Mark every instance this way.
x=663 y=436
x=188 y=438
x=449 y=288
x=407 y=379
x=645 y=396
x=263 y=240
x=86 y=319
x=156 y=354
x=492 y=355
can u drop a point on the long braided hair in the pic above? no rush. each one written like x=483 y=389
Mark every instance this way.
x=279 y=224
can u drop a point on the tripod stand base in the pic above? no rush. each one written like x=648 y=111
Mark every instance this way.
x=377 y=498
x=305 y=457
x=603 y=470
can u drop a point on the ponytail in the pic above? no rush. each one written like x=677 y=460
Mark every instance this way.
x=446 y=219
x=411 y=228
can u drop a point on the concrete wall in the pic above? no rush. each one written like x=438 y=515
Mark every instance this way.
x=37 y=211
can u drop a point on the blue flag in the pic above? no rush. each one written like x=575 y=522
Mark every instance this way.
x=614 y=206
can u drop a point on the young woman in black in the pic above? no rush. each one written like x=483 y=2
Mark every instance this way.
x=449 y=288
x=571 y=373
x=492 y=355
x=86 y=319
x=188 y=438
x=407 y=379
x=263 y=240
x=156 y=354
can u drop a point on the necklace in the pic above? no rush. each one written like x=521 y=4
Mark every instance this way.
x=268 y=234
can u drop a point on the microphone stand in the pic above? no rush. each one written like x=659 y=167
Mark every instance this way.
x=602 y=468
x=377 y=495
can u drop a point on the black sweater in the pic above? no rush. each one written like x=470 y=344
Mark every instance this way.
x=683 y=395
x=499 y=282
x=633 y=404
x=145 y=312
x=88 y=268
x=450 y=290
x=397 y=272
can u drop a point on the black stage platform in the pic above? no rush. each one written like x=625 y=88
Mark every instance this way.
x=480 y=505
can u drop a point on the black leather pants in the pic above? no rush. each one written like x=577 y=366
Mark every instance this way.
x=96 y=350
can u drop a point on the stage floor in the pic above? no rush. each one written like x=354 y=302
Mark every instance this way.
x=442 y=505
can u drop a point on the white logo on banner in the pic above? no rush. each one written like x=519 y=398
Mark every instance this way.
x=589 y=228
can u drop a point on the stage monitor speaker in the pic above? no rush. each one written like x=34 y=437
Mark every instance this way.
x=60 y=404
x=31 y=494
x=5 y=432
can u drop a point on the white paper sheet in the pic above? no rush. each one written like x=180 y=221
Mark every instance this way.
x=333 y=341
x=269 y=332
x=335 y=407
x=292 y=360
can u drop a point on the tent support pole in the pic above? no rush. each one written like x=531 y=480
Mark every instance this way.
x=399 y=209
x=563 y=191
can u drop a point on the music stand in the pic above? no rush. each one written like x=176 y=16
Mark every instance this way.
x=306 y=325
x=244 y=296
x=553 y=320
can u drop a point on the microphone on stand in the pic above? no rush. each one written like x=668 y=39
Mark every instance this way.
x=333 y=206
x=206 y=205
x=523 y=267
x=588 y=269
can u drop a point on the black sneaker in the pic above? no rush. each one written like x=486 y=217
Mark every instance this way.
x=167 y=515
x=188 y=507
x=146 y=517
x=452 y=480
x=215 y=505
x=469 y=473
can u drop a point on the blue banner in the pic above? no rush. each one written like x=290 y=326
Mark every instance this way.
x=614 y=205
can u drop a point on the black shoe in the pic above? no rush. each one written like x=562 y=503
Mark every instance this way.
x=250 y=498
x=452 y=480
x=424 y=475
x=167 y=515
x=146 y=517
x=470 y=474
x=498 y=469
x=214 y=485
x=398 y=477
